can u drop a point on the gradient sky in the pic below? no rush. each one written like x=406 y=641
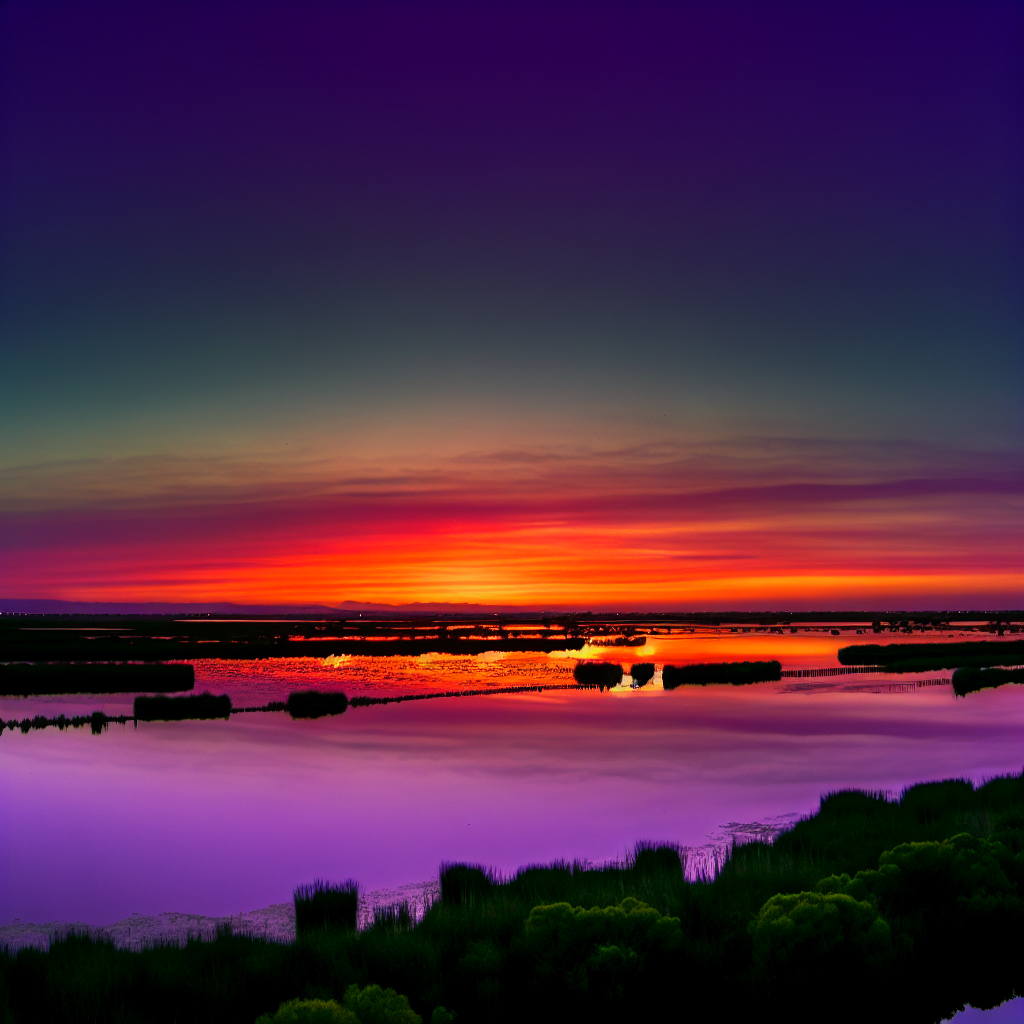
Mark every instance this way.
x=572 y=305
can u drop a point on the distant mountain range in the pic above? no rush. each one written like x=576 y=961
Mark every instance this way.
x=346 y=609
x=45 y=606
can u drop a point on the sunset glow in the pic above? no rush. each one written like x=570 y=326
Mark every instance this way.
x=513 y=304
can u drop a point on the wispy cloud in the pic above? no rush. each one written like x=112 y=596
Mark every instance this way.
x=745 y=522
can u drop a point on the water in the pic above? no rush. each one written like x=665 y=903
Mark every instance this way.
x=219 y=818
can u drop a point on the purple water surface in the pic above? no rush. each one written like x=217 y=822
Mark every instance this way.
x=223 y=817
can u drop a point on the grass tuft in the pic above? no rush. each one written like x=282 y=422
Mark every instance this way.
x=325 y=905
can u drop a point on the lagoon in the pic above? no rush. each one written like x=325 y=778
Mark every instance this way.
x=222 y=817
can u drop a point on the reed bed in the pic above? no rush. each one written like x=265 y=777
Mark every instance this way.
x=36 y=679
x=925 y=657
x=97 y=721
x=316 y=704
x=970 y=680
x=738 y=673
x=325 y=905
x=393 y=917
x=177 y=709
x=601 y=674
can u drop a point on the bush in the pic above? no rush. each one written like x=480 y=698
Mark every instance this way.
x=376 y=1005
x=642 y=673
x=560 y=934
x=310 y=1011
x=797 y=932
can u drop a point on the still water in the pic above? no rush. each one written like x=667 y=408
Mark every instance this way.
x=217 y=818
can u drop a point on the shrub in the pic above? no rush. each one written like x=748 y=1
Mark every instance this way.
x=310 y=1011
x=642 y=673
x=376 y=1005
x=797 y=931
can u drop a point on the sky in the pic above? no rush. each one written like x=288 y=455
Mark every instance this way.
x=649 y=306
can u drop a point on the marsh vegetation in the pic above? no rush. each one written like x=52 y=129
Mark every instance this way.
x=177 y=709
x=970 y=680
x=323 y=906
x=25 y=679
x=874 y=908
x=928 y=657
x=642 y=673
x=600 y=674
x=316 y=703
x=738 y=673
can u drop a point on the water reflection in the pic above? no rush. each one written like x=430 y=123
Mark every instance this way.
x=222 y=817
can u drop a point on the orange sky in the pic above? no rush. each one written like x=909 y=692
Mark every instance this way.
x=627 y=529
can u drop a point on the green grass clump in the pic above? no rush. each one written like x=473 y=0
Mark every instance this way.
x=970 y=680
x=736 y=672
x=177 y=709
x=316 y=704
x=597 y=673
x=324 y=905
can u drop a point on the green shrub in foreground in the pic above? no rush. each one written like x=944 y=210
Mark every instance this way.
x=310 y=1011
x=371 y=1005
x=376 y=1005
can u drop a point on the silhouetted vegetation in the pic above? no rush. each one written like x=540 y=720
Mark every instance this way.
x=393 y=917
x=597 y=673
x=927 y=657
x=32 y=679
x=177 y=709
x=324 y=905
x=465 y=884
x=172 y=638
x=642 y=672
x=969 y=680
x=97 y=721
x=316 y=704
x=736 y=672
x=872 y=909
